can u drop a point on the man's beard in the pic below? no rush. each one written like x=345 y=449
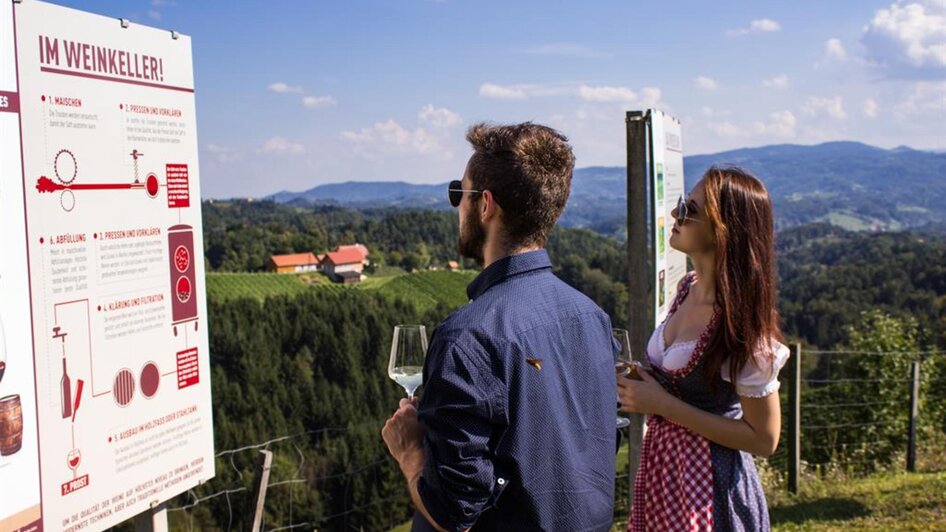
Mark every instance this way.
x=470 y=243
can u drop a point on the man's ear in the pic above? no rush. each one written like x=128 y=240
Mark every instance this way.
x=489 y=206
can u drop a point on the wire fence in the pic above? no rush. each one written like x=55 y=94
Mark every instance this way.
x=289 y=501
x=847 y=421
x=861 y=411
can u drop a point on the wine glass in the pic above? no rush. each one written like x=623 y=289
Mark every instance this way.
x=408 y=349
x=73 y=459
x=622 y=363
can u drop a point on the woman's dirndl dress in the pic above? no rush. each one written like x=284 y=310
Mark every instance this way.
x=686 y=482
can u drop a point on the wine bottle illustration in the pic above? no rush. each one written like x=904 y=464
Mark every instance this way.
x=65 y=384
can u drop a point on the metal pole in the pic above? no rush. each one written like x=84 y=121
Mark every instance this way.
x=640 y=276
x=794 y=417
x=153 y=520
x=914 y=413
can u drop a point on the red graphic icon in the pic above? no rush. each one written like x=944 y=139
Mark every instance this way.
x=150 y=379
x=124 y=387
x=182 y=259
x=183 y=289
x=74 y=458
x=183 y=276
x=151 y=186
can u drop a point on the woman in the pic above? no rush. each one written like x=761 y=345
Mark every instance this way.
x=714 y=362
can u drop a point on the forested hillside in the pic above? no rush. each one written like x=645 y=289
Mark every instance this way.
x=292 y=359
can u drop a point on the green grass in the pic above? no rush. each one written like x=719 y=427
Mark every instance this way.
x=852 y=222
x=912 y=208
x=887 y=501
x=425 y=288
x=890 y=501
x=225 y=286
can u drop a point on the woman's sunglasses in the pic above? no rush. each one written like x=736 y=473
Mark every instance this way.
x=455 y=192
x=685 y=211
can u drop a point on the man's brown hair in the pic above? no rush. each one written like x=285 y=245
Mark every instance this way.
x=528 y=168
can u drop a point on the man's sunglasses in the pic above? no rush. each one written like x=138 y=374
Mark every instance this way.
x=455 y=192
x=685 y=211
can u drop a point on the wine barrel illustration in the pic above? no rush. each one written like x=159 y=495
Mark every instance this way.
x=11 y=425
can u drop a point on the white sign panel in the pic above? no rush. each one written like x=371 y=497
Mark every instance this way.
x=667 y=186
x=102 y=273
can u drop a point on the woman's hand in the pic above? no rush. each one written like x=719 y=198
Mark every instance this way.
x=645 y=396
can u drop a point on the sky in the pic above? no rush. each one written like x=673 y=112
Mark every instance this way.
x=294 y=94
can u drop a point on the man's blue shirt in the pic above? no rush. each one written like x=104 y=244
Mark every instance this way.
x=519 y=406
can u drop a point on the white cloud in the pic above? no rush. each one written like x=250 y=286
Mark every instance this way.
x=310 y=101
x=647 y=97
x=596 y=133
x=781 y=125
x=834 y=50
x=763 y=25
x=926 y=99
x=778 y=82
x=390 y=137
x=315 y=102
x=909 y=38
x=705 y=83
x=223 y=154
x=283 y=88
x=566 y=50
x=606 y=94
x=281 y=146
x=650 y=96
x=429 y=138
x=512 y=92
x=155 y=14
x=870 y=108
x=833 y=107
x=438 y=117
x=712 y=112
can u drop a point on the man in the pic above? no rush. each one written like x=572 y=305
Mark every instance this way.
x=516 y=426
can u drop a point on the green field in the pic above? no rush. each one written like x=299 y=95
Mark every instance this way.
x=885 y=501
x=425 y=288
x=852 y=222
x=224 y=286
x=894 y=501
x=901 y=501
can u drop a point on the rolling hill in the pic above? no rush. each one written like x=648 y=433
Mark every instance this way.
x=425 y=289
x=849 y=184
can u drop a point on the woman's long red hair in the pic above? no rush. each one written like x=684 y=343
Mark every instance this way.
x=739 y=209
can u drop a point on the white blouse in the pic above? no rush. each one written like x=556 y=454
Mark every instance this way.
x=758 y=378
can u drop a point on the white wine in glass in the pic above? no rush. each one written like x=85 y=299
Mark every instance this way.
x=622 y=364
x=408 y=349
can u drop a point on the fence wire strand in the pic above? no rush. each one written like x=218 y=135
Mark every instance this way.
x=779 y=460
